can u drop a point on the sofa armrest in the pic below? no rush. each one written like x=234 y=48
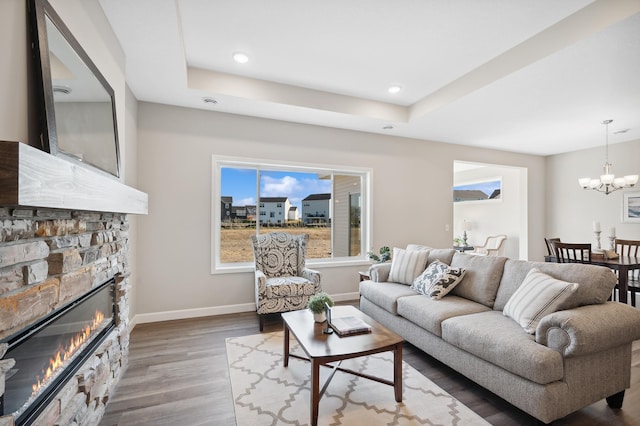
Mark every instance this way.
x=589 y=329
x=379 y=272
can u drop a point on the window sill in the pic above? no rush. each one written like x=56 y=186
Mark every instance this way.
x=317 y=264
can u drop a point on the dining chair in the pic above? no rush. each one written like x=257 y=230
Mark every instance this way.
x=630 y=248
x=549 y=242
x=572 y=252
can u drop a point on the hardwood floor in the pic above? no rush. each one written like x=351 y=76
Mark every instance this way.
x=177 y=375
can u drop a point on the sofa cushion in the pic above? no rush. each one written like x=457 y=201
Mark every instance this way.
x=595 y=283
x=429 y=313
x=385 y=294
x=289 y=286
x=443 y=255
x=406 y=265
x=482 y=279
x=538 y=296
x=437 y=280
x=501 y=341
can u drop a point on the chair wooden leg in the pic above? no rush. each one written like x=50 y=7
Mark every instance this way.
x=261 y=322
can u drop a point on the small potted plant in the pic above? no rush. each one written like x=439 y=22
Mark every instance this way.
x=385 y=254
x=458 y=242
x=316 y=305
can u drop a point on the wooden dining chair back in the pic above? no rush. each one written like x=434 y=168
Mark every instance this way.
x=630 y=248
x=549 y=242
x=627 y=247
x=572 y=252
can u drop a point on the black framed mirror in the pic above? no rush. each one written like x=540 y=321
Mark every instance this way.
x=76 y=111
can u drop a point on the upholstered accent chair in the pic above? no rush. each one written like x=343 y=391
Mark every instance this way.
x=282 y=282
x=493 y=246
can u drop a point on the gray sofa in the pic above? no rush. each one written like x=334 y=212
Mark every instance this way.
x=577 y=356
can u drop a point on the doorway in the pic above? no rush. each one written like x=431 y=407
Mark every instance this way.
x=492 y=200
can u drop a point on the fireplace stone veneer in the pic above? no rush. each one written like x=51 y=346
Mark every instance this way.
x=50 y=257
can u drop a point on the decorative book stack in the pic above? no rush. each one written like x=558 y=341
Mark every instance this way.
x=346 y=326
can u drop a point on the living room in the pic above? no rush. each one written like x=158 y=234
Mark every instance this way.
x=167 y=151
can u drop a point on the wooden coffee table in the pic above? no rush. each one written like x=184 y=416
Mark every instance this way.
x=322 y=349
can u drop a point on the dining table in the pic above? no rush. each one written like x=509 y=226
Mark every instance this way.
x=622 y=264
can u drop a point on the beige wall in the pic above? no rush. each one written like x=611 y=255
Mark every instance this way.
x=412 y=182
x=570 y=210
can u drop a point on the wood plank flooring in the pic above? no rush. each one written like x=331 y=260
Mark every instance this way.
x=177 y=375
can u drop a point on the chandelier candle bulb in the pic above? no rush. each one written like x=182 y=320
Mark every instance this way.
x=608 y=181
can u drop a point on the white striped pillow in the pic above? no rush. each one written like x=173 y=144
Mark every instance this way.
x=538 y=295
x=406 y=265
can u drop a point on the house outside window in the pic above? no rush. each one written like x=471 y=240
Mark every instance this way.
x=322 y=196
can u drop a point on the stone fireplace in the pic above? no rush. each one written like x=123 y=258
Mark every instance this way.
x=64 y=251
x=49 y=259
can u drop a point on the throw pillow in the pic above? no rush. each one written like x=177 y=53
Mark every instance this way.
x=406 y=265
x=538 y=295
x=438 y=280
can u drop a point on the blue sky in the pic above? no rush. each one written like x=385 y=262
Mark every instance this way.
x=241 y=185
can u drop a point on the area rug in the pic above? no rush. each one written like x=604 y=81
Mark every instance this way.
x=267 y=393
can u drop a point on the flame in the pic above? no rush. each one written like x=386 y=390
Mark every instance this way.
x=64 y=353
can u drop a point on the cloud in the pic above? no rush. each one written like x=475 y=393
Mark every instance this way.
x=279 y=187
x=292 y=187
x=249 y=201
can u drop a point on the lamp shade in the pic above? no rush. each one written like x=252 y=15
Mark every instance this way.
x=466 y=226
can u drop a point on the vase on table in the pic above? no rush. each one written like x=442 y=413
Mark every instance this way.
x=320 y=316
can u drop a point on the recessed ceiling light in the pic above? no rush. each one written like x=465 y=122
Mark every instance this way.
x=394 y=89
x=241 y=58
x=387 y=127
x=209 y=100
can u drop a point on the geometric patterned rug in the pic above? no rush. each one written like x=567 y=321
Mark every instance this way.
x=267 y=393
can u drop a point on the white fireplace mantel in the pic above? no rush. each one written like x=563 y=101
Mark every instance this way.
x=33 y=178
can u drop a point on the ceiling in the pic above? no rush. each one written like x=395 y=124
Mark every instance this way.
x=534 y=77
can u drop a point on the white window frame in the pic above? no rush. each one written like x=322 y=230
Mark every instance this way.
x=218 y=162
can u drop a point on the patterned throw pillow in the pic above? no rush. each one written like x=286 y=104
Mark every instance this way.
x=538 y=295
x=406 y=265
x=438 y=280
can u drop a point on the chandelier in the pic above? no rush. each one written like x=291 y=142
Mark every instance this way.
x=608 y=182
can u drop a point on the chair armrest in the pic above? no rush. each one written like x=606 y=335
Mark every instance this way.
x=313 y=276
x=260 y=284
x=379 y=272
x=589 y=329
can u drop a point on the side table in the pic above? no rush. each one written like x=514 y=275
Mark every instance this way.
x=462 y=249
x=364 y=275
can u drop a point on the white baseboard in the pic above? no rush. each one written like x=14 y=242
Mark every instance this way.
x=193 y=313
x=214 y=310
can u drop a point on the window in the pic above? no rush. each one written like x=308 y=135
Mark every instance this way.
x=331 y=205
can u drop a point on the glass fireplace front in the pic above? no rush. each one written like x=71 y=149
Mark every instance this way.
x=49 y=352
